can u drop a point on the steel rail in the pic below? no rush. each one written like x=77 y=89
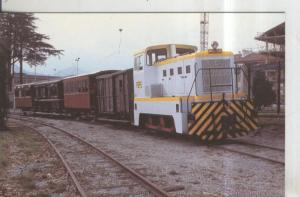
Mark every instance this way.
x=152 y=187
x=251 y=155
x=242 y=142
x=66 y=165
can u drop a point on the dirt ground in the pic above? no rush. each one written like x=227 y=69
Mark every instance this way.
x=29 y=167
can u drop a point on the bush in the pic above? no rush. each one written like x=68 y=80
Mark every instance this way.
x=263 y=93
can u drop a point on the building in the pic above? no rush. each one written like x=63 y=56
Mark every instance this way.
x=270 y=59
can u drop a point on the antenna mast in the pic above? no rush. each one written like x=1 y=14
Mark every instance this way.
x=204 y=21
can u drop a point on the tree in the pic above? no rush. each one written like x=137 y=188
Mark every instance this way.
x=4 y=53
x=25 y=44
x=263 y=93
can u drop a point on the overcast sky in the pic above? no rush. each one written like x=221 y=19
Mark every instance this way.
x=95 y=38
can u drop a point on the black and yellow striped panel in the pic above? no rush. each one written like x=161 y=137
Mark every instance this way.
x=222 y=119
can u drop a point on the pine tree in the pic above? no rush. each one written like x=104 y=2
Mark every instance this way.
x=25 y=44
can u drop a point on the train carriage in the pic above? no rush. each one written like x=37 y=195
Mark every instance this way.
x=23 y=96
x=115 y=95
x=80 y=93
x=48 y=96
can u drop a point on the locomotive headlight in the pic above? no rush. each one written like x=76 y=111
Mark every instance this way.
x=214 y=45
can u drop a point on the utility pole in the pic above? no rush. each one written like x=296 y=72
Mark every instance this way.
x=77 y=60
x=204 y=24
x=120 y=30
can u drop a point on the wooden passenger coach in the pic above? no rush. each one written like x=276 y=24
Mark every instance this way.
x=23 y=96
x=48 y=96
x=115 y=95
x=79 y=92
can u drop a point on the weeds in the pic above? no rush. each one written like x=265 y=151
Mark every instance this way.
x=26 y=180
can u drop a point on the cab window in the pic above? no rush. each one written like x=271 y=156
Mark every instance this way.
x=138 y=63
x=156 y=55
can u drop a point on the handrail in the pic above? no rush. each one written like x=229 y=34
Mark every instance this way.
x=216 y=85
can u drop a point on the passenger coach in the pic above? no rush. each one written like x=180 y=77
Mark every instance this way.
x=115 y=95
x=80 y=93
x=48 y=96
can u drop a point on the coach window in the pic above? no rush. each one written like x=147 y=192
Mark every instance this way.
x=80 y=86
x=120 y=84
x=75 y=86
x=54 y=90
x=67 y=87
x=71 y=86
x=83 y=86
x=164 y=73
x=188 y=69
x=86 y=85
x=171 y=72
x=179 y=70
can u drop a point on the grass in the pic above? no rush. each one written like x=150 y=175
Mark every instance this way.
x=26 y=180
x=41 y=194
x=28 y=142
x=28 y=145
x=57 y=187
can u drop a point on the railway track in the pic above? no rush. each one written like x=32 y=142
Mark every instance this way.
x=254 y=150
x=239 y=146
x=243 y=142
x=87 y=164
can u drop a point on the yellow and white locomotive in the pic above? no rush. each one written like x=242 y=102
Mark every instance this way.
x=177 y=89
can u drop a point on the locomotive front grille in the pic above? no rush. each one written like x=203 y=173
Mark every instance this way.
x=215 y=78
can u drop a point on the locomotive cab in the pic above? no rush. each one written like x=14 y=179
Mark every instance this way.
x=147 y=79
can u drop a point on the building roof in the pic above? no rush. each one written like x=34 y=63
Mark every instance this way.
x=256 y=58
x=274 y=35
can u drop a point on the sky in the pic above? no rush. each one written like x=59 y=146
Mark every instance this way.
x=95 y=37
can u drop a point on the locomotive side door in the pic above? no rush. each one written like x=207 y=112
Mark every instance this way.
x=180 y=77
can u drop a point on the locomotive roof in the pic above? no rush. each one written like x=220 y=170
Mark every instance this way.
x=194 y=55
x=165 y=45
